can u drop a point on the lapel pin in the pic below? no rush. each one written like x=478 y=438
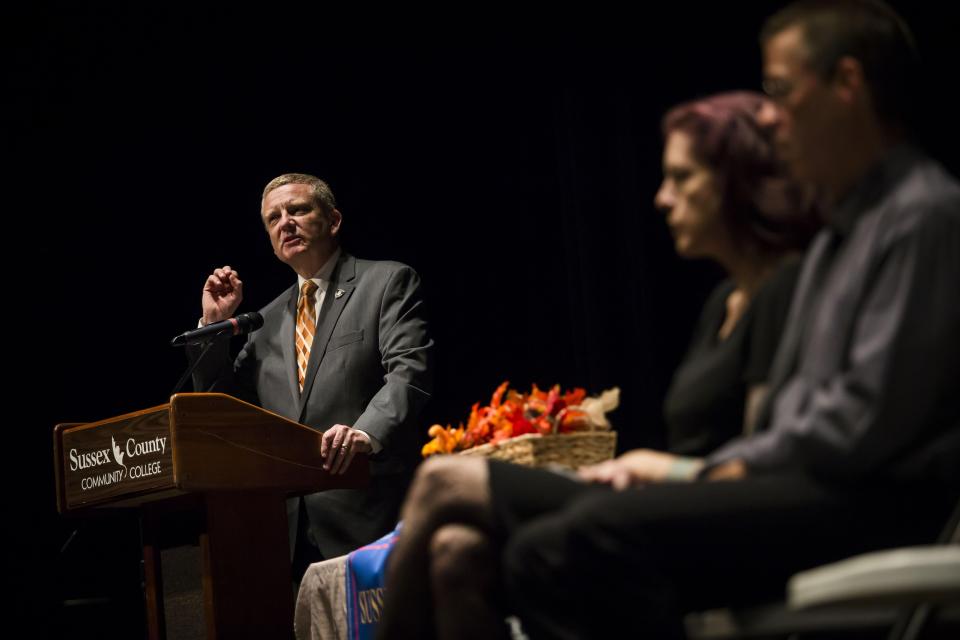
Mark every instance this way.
x=338 y=294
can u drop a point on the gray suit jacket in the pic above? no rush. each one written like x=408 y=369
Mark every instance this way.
x=370 y=368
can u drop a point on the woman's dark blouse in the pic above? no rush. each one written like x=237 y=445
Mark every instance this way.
x=705 y=403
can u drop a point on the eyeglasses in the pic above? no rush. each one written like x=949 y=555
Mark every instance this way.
x=777 y=88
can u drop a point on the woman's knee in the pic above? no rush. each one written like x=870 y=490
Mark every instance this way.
x=448 y=485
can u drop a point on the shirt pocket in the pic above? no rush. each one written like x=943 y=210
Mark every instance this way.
x=344 y=339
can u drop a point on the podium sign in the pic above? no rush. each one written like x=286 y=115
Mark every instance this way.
x=128 y=455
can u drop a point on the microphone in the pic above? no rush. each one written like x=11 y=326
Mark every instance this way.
x=242 y=324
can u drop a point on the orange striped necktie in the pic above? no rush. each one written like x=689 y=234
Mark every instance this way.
x=306 y=327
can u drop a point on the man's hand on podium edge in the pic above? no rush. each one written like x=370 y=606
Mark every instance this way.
x=338 y=446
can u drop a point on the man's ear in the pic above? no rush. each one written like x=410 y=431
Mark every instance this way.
x=849 y=82
x=335 y=218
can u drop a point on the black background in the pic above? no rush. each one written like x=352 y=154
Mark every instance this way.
x=511 y=159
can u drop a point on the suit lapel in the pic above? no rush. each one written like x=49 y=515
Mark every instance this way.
x=336 y=298
x=288 y=331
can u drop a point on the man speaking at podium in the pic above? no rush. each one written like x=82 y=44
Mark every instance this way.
x=345 y=350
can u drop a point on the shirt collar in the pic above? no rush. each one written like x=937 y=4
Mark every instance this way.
x=322 y=277
x=879 y=180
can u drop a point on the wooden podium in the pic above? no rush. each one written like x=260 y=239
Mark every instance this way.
x=227 y=465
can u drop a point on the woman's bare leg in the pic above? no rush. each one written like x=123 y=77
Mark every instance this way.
x=446 y=490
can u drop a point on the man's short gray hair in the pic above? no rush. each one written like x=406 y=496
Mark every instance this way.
x=321 y=190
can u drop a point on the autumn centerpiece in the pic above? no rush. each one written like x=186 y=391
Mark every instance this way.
x=537 y=428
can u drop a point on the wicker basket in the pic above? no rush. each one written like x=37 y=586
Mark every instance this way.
x=570 y=450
